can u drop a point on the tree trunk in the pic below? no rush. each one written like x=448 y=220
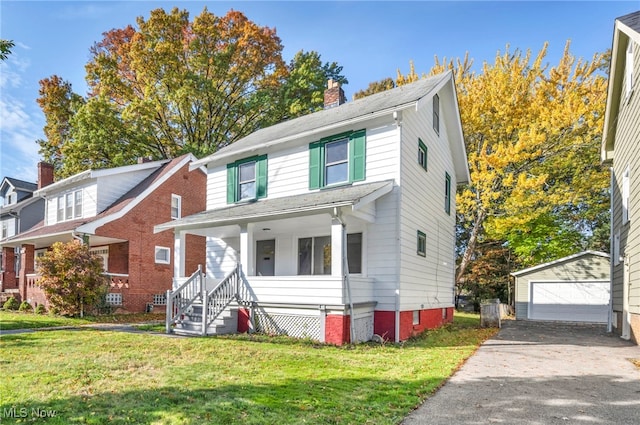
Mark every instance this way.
x=471 y=245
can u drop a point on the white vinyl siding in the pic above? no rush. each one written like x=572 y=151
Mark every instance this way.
x=427 y=282
x=627 y=154
x=8 y=228
x=111 y=187
x=288 y=170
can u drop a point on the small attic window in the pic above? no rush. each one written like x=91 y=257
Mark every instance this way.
x=628 y=70
x=436 y=113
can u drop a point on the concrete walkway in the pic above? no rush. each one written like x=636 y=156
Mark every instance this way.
x=541 y=373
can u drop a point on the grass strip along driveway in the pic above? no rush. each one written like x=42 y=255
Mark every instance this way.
x=98 y=377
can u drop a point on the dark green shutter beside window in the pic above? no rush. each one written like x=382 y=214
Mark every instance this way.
x=357 y=159
x=231 y=183
x=261 y=177
x=315 y=165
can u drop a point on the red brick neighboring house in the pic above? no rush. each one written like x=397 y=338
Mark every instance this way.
x=114 y=211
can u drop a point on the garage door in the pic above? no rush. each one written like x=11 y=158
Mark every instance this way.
x=570 y=301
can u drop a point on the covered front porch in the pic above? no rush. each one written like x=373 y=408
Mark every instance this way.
x=301 y=261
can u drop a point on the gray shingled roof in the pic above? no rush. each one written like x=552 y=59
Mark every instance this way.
x=21 y=184
x=386 y=100
x=280 y=207
x=632 y=20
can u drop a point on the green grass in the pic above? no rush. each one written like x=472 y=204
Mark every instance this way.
x=28 y=320
x=97 y=377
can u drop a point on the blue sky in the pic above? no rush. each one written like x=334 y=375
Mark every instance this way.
x=371 y=39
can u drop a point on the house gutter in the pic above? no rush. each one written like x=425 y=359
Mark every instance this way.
x=611 y=259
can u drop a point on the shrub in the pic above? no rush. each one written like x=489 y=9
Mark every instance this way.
x=40 y=309
x=72 y=277
x=25 y=306
x=11 y=304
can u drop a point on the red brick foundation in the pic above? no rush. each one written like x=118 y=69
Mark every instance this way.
x=384 y=322
x=336 y=329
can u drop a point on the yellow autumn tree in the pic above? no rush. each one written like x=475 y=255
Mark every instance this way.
x=532 y=133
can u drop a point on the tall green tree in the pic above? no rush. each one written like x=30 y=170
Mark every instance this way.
x=5 y=48
x=532 y=134
x=171 y=85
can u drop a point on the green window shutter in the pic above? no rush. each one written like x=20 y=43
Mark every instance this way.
x=315 y=165
x=261 y=177
x=231 y=183
x=357 y=156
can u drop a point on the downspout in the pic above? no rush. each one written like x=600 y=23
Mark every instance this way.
x=397 y=117
x=345 y=275
x=611 y=259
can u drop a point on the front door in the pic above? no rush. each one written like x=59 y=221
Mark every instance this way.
x=266 y=257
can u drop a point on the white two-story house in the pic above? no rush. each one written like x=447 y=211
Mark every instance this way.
x=334 y=226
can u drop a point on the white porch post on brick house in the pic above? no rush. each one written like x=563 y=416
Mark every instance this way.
x=246 y=249
x=337 y=247
x=179 y=257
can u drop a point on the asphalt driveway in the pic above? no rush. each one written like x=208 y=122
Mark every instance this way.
x=541 y=373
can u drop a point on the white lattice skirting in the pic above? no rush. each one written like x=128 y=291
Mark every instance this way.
x=297 y=326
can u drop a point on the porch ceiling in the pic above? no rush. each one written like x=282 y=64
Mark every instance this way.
x=290 y=206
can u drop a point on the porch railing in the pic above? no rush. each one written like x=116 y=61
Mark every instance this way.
x=194 y=291
x=183 y=297
x=217 y=300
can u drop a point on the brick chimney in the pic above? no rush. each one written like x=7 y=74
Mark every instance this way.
x=45 y=174
x=333 y=95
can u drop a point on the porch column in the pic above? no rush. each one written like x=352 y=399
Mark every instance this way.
x=337 y=248
x=26 y=267
x=246 y=249
x=8 y=268
x=179 y=248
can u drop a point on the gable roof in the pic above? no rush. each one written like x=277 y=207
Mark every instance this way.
x=18 y=184
x=116 y=210
x=626 y=29
x=378 y=104
x=559 y=261
x=91 y=174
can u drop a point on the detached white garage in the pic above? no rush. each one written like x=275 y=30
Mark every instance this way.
x=571 y=289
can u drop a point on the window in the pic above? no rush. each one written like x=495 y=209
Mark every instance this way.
x=77 y=204
x=416 y=317
x=176 y=206
x=247 y=179
x=69 y=206
x=422 y=154
x=162 y=255
x=616 y=248
x=103 y=253
x=314 y=254
x=338 y=159
x=60 y=208
x=5 y=230
x=11 y=198
x=436 y=113
x=354 y=253
x=447 y=193
x=625 y=196
x=114 y=298
x=336 y=168
x=629 y=70
x=160 y=299
x=422 y=244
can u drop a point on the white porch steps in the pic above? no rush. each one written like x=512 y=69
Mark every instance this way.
x=191 y=323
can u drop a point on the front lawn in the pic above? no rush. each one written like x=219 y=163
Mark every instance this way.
x=28 y=320
x=95 y=377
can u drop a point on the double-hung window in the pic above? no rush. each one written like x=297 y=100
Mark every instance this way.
x=176 y=207
x=628 y=68
x=314 y=254
x=436 y=113
x=625 y=196
x=421 y=248
x=69 y=206
x=447 y=193
x=337 y=160
x=247 y=179
x=422 y=154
